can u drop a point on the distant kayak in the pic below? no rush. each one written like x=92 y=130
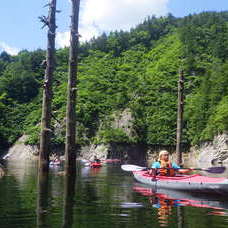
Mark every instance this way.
x=106 y=161
x=196 y=182
x=54 y=163
x=95 y=164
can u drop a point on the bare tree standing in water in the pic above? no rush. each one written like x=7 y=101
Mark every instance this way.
x=70 y=149
x=68 y=203
x=180 y=116
x=42 y=199
x=47 y=93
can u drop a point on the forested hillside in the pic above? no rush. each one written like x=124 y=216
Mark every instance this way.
x=137 y=70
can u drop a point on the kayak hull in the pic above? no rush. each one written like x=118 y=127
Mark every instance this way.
x=95 y=165
x=196 y=183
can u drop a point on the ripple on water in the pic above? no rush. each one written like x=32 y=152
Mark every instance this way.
x=131 y=205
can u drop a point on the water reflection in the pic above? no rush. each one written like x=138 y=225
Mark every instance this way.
x=69 y=192
x=99 y=198
x=95 y=171
x=22 y=171
x=42 y=199
x=180 y=217
x=164 y=210
x=165 y=201
x=131 y=205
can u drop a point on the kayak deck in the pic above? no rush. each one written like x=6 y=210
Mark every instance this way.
x=194 y=182
x=184 y=178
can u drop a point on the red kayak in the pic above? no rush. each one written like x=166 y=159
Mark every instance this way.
x=196 y=182
x=95 y=164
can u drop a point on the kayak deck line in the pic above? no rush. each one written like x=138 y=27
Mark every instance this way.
x=197 y=178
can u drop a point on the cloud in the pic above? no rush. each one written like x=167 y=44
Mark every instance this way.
x=108 y=15
x=98 y=16
x=63 y=39
x=8 y=49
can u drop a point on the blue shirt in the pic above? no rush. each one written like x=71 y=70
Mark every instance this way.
x=157 y=165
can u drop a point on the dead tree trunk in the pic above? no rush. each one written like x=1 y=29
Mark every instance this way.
x=68 y=204
x=70 y=148
x=47 y=93
x=180 y=116
x=42 y=199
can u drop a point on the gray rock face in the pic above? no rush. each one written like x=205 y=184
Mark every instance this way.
x=214 y=152
x=121 y=120
x=100 y=151
x=20 y=151
x=124 y=121
x=205 y=155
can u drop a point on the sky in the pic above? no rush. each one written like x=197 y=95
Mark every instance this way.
x=20 y=27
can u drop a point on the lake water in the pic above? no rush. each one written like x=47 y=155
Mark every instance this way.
x=98 y=198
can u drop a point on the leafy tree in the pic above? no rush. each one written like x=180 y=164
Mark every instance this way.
x=20 y=86
x=136 y=70
x=5 y=57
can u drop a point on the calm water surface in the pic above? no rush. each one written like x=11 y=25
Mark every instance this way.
x=104 y=197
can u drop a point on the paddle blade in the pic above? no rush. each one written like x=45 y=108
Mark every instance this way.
x=219 y=169
x=87 y=164
x=132 y=168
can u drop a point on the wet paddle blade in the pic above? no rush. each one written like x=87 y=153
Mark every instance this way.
x=219 y=169
x=132 y=168
x=87 y=164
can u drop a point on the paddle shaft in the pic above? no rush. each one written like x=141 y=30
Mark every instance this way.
x=219 y=169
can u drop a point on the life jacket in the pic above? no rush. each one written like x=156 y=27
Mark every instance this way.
x=168 y=169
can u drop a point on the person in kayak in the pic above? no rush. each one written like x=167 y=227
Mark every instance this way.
x=164 y=167
x=95 y=159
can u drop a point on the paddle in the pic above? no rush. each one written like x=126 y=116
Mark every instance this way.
x=218 y=169
x=133 y=168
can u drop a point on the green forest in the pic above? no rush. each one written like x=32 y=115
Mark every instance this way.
x=136 y=70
